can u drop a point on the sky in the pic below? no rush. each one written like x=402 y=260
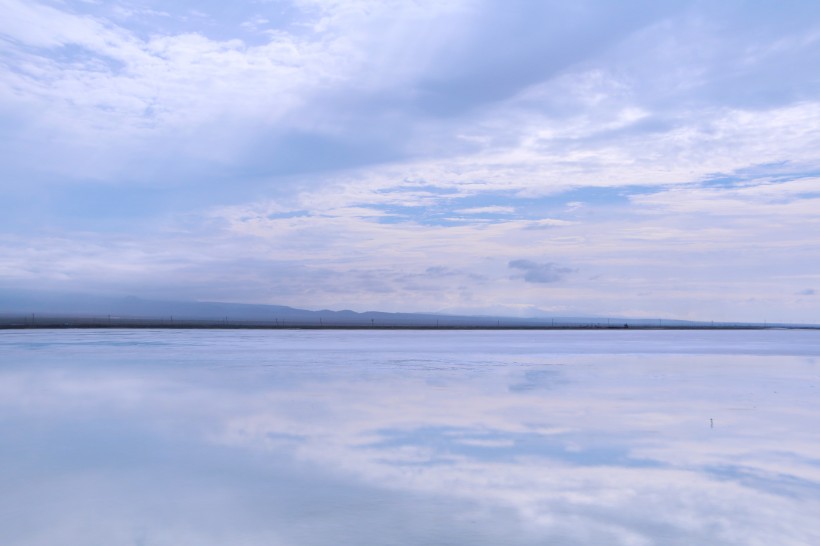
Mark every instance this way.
x=632 y=158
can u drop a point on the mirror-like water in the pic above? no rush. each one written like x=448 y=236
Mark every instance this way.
x=176 y=438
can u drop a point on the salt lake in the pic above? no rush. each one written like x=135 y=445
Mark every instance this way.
x=296 y=437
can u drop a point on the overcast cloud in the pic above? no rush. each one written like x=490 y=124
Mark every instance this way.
x=328 y=154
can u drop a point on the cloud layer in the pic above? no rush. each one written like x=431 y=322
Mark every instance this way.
x=332 y=154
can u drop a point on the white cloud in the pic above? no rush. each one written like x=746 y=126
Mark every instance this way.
x=367 y=139
x=495 y=209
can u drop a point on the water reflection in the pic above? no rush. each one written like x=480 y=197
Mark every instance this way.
x=176 y=438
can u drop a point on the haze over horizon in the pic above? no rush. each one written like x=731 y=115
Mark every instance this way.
x=636 y=159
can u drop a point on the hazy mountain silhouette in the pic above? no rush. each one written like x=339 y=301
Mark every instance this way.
x=30 y=303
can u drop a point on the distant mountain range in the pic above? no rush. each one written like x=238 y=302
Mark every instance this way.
x=29 y=304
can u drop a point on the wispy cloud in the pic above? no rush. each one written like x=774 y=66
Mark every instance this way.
x=660 y=149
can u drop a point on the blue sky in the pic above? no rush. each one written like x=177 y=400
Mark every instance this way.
x=616 y=158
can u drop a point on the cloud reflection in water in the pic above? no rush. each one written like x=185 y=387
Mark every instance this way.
x=161 y=438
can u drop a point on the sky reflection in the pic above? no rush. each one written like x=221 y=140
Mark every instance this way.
x=161 y=438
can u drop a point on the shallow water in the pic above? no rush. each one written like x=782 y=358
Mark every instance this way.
x=403 y=438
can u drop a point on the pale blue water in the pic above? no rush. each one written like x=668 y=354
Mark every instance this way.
x=176 y=438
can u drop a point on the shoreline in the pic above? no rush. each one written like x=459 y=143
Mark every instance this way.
x=176 y=324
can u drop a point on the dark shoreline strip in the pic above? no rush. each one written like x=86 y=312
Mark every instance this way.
x=44 y=324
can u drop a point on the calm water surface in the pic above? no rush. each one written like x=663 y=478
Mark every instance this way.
x=176 y=438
